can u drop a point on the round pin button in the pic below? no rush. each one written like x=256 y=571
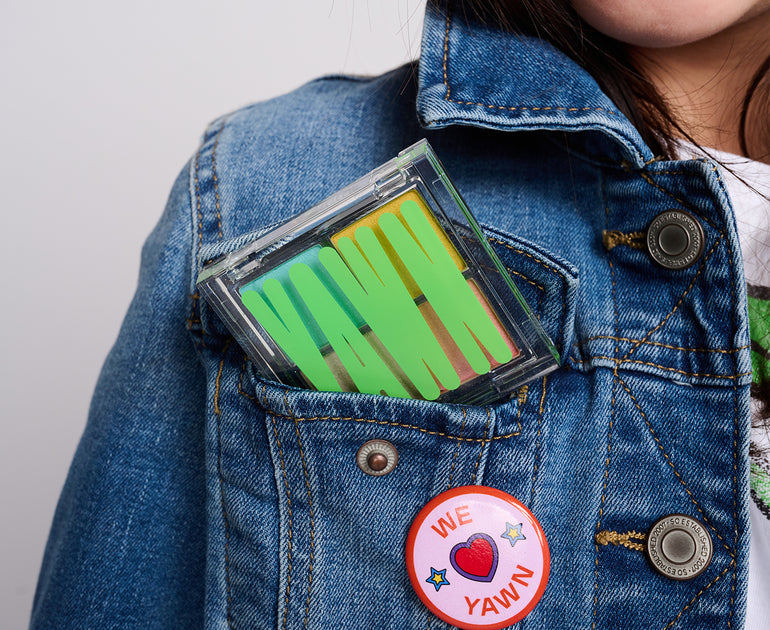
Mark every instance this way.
x=679 y=547
x=477 y=558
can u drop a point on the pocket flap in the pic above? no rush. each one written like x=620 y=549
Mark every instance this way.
x=548 y=284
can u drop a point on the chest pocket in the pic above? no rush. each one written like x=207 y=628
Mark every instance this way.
x=300 y=535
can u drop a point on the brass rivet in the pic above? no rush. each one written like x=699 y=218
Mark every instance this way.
x=377 y=457
x=377 y=461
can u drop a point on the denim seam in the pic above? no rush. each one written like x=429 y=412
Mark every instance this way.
x=216 y=180
x=460 y=438
x=532 y=282
x=735 y=497
x=195 y=297
x=447 y=96
x=195 y=308
x=190 y=321
x=482 y=440
x=218 y=414
x=730 y=552
x=310 y=509
x=703 y=590
x=536 y=466
x=483 y=445
x=647 y=178
x=619 y=363
x=193 y=320
x=527 y=254
x=492 y=239
x=198 y=196
x=733 y=284
x=615 y=352
x=457 y=449
x=611 y=426
x=673 y=172
x=540 y=296
x=662 y=345
x=290 y=533
x=611 y=266
x=240 y=381
x=663 y=322
x=679 y=477
x=601 y=505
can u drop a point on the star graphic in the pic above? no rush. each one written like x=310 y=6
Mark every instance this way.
x=513 y=533
x=437 y=578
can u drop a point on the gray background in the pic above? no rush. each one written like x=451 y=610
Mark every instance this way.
x=101 y=104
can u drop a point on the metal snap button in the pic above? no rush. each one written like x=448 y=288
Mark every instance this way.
x=675 y=239
x=377 y=457
x=679 y=547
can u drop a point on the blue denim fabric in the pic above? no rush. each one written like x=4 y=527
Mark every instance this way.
x=202 y=496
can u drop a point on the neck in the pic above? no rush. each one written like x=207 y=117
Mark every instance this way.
x=705 y=84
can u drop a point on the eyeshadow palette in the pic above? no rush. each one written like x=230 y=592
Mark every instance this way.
x=387 y=287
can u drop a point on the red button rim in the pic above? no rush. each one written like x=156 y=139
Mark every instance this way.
x=494 y=492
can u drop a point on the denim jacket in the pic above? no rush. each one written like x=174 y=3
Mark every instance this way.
x=203 y=496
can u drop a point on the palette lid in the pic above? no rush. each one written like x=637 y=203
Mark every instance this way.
x=388 y=286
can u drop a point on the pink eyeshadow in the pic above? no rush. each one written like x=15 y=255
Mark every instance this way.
x=452 y=351
x=450 y=348
x=491 y=314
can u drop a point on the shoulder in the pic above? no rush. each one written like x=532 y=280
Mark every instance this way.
x=265 y=162
x=336 y=105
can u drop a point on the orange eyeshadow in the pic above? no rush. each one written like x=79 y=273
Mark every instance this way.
x=393 y=207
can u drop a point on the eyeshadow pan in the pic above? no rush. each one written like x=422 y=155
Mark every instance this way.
x=394 y=207
x=281 y=272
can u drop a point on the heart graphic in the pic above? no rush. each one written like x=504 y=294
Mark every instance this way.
x=475 y=559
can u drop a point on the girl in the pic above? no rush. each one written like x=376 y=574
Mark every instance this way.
x=204 y=496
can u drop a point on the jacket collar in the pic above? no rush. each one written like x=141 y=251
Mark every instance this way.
x=475 y=74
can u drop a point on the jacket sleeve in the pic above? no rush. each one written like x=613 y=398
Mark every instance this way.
x=127 y=544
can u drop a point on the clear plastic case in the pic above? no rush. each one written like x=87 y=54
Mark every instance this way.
x=387 y=287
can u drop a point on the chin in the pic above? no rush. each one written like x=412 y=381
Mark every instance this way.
x=662 y=23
